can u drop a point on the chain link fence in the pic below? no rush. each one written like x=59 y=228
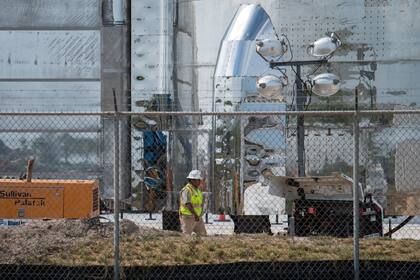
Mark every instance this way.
x=59 y=217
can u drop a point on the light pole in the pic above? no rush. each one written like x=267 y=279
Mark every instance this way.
x=356 y=219
x=300 y=135
x=324 y=84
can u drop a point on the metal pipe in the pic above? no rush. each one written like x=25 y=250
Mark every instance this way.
x=113 y=12
x=297 y=63
x=118 y=12
x=116 y=193
x=349 y=61
x=389 y=229
x=300 y=135
x=401 y=225
x=163 y=45
x=356 y=215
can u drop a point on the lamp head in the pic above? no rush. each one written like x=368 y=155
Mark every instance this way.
x=271 y=47
x=271 y=86
x=326 y=84
x=325 y=46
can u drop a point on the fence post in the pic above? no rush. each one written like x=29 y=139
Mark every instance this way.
x=116 y=192
x=356 y=225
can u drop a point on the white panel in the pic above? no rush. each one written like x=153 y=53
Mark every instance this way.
x=50 y=54
x=50 y=96
x=50 y=13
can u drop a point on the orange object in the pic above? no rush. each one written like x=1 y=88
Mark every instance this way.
x=49 y=199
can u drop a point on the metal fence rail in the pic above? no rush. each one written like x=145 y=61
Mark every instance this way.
x=109 y=185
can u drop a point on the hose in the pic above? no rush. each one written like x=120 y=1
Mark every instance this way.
x=403 y=223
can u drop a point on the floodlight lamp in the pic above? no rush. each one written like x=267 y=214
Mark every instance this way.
x=271 y=86
x=326 y=84
x=325 y=46
x=271 y=47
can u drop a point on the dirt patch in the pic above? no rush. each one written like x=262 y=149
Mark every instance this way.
x=38 y=241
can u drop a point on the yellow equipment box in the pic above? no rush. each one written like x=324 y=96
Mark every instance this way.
x=49 y=199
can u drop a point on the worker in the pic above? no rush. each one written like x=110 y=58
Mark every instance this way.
x=191 y=205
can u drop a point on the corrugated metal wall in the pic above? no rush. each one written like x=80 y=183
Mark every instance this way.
x=50 y=52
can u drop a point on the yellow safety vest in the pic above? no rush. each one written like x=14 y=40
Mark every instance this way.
x=196 y=201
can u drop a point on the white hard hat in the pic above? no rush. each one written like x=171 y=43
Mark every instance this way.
x=194 y=174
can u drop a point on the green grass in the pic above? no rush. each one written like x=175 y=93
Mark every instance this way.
x=212 y=250
x=37 y=243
